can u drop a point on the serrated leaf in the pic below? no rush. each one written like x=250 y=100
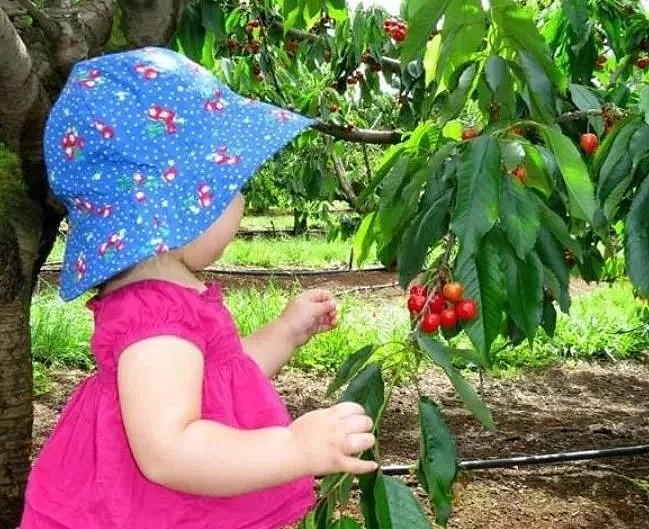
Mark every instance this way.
x=437 y=459
x=367 y=389
x=496 y=72
x=440 y=355
x=539 y=90
x=422 y=17
x=396 y=507
x=350 y=367
x=636 y=240
x=519 y=215
x=552 y=255
x=616 y=173
x=483 y=281
x=557 y=226
x=426 y=228
x=519 y=29
x=644 y=104
x=345 y=522
x=524 y=280
x=538 y=176
x=364 y=238
x=575 y=174
x=577 y=11
x=478 y=182
x=431 y=58
x=585 y=99
x=464 y=30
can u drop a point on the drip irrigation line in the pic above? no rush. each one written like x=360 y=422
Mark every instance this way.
x=55 y=267
x=541 y=459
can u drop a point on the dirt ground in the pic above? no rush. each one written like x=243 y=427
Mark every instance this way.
x=563 y=409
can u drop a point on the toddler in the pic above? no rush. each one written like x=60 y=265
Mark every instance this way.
x=180 y=428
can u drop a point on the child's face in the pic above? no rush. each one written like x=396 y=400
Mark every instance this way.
x=209 y=247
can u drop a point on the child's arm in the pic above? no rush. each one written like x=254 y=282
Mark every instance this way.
x=311 y=312
x=160 y=387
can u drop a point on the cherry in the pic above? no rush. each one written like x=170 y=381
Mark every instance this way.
x=327 y=55
x=419 y=290
x=466 y=309
x=520 y=173
x=333 y=107
x=431 y=322
x=453 y=291
x=416 y=303
x=468 y=134
x=589 y=142
x=642 y=63
x=437 y=303
x=448 y=318
x=399 y=34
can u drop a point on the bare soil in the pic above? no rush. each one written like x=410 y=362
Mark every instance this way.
x=563 y=409
x=566 y=408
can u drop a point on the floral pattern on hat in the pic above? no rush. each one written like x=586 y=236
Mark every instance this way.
x=147 y=149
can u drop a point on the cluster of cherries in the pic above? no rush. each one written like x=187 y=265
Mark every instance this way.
x=397 y=29
x=445 y=308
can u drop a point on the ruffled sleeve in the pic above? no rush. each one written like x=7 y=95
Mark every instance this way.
x=145 y=310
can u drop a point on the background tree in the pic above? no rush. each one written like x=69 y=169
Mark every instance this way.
x=520 y=134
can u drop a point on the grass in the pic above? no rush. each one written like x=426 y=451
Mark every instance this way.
x=606 y=324
x=304 y=251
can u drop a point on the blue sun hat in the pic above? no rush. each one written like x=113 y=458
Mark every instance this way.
x=147 y=149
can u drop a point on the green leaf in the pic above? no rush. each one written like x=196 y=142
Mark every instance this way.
x=496 y=72
x=616 y=173
x=483 y=281
x=431 y=58
x=213 y=18
x=518 y=28
x=577 y=12
x=636 y=240
x=426 y=228
x=350 y=367
x=524 y=280
x=367 y=484
x=549 y=321
x=440 y=355
x=463 y=33
x=396 y=507
x=476 y=203
x=585 y=99
x=422 y=17
x=191 y=33
x=552 y=255
x=364 y=238
x=644 y=104
x=367 y=389
x=519 y=215
x=575 y=174
x=540 y=90
x=437 y=460
x=537 y=172
x=557 y=226
x=345 y=522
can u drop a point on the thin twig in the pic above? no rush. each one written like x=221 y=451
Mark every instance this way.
x=366 y=159
x=378 y=137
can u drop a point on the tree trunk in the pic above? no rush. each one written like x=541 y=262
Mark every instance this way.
x=15 y=376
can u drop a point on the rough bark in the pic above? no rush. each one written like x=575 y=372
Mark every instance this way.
x=150 y=22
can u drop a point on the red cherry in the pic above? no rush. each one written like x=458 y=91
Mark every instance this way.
x=466 y=309
x=520 y=173
x=416 y=303
x=589 y=142
x=419 y=290
x=431 y=322
x=448 y=318
x=468 y=134
x=642 y=63
x=437 y=303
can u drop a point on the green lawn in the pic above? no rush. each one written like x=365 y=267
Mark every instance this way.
x=604 y=325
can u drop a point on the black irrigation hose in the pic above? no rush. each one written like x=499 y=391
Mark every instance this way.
x=543 y=459
x=55 y=267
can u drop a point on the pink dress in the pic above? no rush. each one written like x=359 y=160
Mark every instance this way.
x=85 y=476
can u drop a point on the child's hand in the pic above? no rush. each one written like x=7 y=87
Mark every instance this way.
x=329 y=440
x=310 y=313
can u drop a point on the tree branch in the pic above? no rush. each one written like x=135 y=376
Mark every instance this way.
x=387 y=63
x=605 y=110
x=379 y=137
x=150 y=22
x=345 y=185
x=50 y=27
